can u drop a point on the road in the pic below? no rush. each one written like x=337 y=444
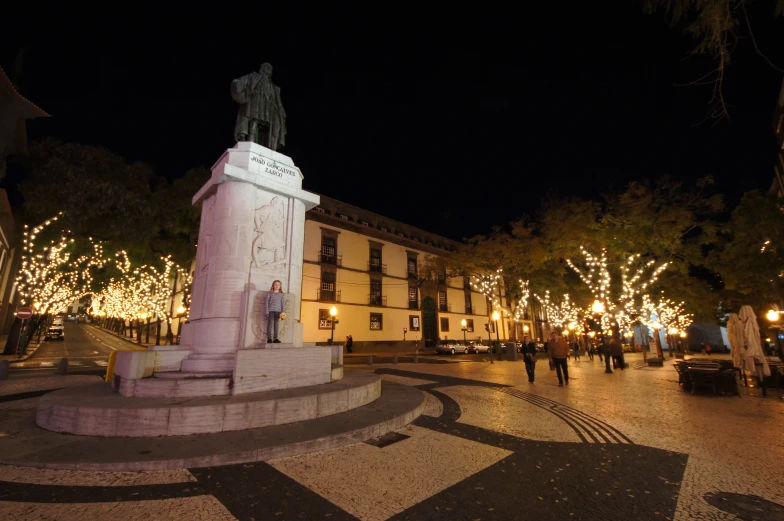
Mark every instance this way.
x=85 y=347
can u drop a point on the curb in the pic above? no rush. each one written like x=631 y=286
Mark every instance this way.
x=28 y=354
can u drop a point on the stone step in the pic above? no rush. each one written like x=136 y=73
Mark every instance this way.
x=98 y=411
x=397 y=406
x=182 y=375
x=171 y=387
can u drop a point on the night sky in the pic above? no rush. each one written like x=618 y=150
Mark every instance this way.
x=450 y=120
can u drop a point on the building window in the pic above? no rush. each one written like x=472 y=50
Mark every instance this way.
x=412 y=268
x=376 y=321
x=375 y=293
x=329 y=248
x=320 y=210
x=383 y=229
x=468 y=308
x=470 y=325
x=375 y=259
x=442 y=303
x=413 y=302
x=327 y=286
x=445 y=324
x=325 y=320
x=344 y=217
x=413 y=322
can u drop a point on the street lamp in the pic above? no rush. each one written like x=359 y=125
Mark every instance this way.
x=496 y=316
x=333 y=313
x=180 y=312
x=597 y=307
x=772 y=315
x=465 y=327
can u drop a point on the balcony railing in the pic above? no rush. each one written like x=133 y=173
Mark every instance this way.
x=445 y=307
x=377 y=300
x=412 y=274
x=372 y=265
x=328 y=256
x=328 y=296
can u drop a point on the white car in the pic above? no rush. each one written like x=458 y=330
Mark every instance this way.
x=480 y=348
x=452 y=348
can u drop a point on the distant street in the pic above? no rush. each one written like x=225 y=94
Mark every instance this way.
x=86 y=347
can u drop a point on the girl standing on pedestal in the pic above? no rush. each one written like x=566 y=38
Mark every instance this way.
x=276 y=304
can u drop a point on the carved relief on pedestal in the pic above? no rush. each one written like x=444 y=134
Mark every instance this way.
x=269 y=245
x=205 y=235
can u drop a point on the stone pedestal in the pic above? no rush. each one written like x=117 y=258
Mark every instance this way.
x=252 y=233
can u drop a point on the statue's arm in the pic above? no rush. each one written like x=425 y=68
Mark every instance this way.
x=239 y=90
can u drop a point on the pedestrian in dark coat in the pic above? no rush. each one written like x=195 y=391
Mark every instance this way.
x=616 y=350
x=529 y=357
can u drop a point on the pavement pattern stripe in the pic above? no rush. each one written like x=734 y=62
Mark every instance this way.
x=35 y=493
x=584 y=425
x=25 y=396
x=604 y=430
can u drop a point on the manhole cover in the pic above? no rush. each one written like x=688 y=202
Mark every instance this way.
x=386 y=439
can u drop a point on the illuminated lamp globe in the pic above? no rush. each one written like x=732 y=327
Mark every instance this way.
x=772 y=315
x=683 y=334
x=333 y=311
x=526 y=329
x=463 y=323
x=571 y=326
x=496 y=315
x=597 y=307
x=181 y=310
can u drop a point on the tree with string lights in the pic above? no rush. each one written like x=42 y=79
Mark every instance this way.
x=618 y=311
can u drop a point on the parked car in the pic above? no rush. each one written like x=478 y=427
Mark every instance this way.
x=452 y=347
x=479 y=348
x=55 y=332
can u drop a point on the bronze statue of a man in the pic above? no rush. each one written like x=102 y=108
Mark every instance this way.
x=261 y=117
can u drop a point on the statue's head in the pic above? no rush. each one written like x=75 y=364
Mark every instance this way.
x=266 y=70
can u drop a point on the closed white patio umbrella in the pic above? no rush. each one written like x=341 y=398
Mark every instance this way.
x=754 y=359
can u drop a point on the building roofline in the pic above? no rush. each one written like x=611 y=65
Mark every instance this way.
x=367 y=215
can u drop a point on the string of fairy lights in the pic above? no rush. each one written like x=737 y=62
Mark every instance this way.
x=490 y=287
x=50 y=279
x=632 y=305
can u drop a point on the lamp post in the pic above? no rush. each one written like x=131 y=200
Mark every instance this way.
x=496 y=316
x=180 y=313
x=333 y=313
x=464 y=328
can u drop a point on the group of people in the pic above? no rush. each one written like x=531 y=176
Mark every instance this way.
x=558 y=351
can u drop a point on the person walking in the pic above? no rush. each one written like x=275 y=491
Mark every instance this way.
x=616 y=351
x=604 y=349
x=350 y=344
x=276 y=304
x=558 y=350
x=529 y=357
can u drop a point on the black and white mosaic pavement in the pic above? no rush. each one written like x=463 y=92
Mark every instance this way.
x=490 y=446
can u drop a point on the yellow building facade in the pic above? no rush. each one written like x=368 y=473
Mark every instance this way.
x=369 y=268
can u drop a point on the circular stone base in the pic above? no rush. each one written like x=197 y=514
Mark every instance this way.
x=32 y=446
x=98 y=411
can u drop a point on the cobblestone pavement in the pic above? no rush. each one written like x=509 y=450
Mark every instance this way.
x=628 y=445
